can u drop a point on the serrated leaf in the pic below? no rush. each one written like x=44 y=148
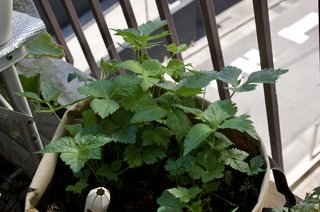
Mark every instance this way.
x=168 y=201
x=264 y=76
x=98 y=89
x=125 y=85
x=78 y=187
x=50 y=92
x=255 y=165
x=76 y=151
x=152 y=67
x=44 y=46
x=131 y=102
x=242 y=124
x=218 y=111
x=235 y=158
x=73 y=129
x=174 y=49
x=125 y=134
x=175 y=67
x=195 y=83
x=148 y=110
x=184 y=194
x=131 y=65
x=177 y=167
x=230 y=75
x=205 y=166
x=110 y=171
x=152 y=154
x=150 y=26
x=109 y=66
x=222 y=142
x=104 y=107
x=89 y=118
x=159 y=135
x=197 y=134
x=179 y=123
x=133 y=156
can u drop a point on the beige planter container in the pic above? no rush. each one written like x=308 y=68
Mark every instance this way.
x=48 y=163
x=5 y=20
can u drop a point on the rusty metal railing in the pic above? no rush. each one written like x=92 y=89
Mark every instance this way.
x=211 y=29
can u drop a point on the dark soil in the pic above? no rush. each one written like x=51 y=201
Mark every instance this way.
x=13 y=187
x=141 y=196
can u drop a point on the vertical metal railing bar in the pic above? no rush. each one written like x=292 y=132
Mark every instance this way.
x=165 y=14
x=208 y=16
x=128 y=13
x=81 y=37
x=266 y=60
x=56 y=29
x=104 y=31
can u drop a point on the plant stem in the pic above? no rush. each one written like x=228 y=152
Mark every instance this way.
x=230 y=203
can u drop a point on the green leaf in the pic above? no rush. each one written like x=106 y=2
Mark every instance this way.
x=255 y=165
x=175 y=67
x=98 y=89
x=50 y=92
x=230 y=75
x=89 y=118
x=78 y=76
x=218 y=111
x=194 y=84
x=222 y=142
x=110 y=171
x=197 y=134
x=131 y=102
x=205 y=166
x=131 y=65
x=109 y=66
x=78 y=187
x=170 y=203
x=148 y=110
x=30 y=83
x=152 y=67
x=184 y=194
x=196 y=206
x=264 y=76
x=133 y=156
x=30 y=95
x=174 y=49
x=104 y=107
x=125 y=134
x=242 y=124
x=76 y=151
x=44 y=46
x=159 y=135
x=125 y=85
x=179 y=123
x=235 y=158
x=151 y=154
x=151 y=26
x=177 y=167
x=73 y=129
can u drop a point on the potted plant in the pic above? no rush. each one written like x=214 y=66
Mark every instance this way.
x=152 y=139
